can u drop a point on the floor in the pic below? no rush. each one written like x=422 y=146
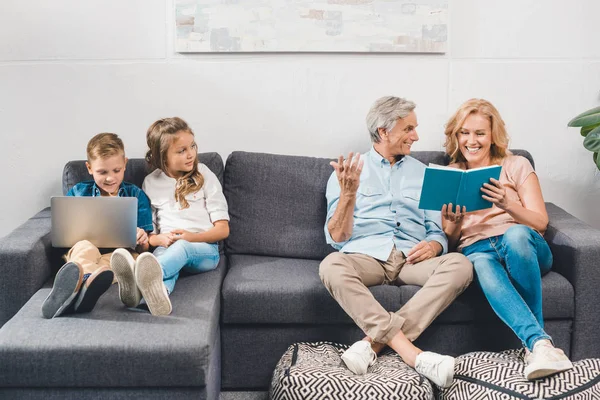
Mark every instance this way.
x=244 y=396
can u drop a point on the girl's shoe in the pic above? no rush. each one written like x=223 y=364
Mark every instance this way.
x=123 y=265
x=66 y=287
x=149 y=279
x=94 y=285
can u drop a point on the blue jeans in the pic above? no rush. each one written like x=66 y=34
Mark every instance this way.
x=509 y=269
x=189 y=257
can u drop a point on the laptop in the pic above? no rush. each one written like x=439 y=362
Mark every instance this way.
x=107 y=222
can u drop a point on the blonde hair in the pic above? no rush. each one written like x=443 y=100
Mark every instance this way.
x=104 y=145
x=499 y=148
x=159 y=137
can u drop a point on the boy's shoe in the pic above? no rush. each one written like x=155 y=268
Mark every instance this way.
x=149 y=278
x=359 y=357
x=545 y=360
x=94 y=285
x=436 y=367
x=123 y=265
x=66 y=287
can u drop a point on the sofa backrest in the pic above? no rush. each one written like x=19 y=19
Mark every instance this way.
x=135 y=172
x=277 y=203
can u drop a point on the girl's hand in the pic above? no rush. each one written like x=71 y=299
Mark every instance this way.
x=141 y=237
x=495 y=193
x=348 y=172
x=164 y=239
x=179 y=234
x=453 y=217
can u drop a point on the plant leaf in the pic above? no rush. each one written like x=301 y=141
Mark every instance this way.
x=587 y=129
x=597 y=160
x=589 y=117
x=592 y=141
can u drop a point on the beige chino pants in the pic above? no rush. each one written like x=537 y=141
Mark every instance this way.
x=89 y=257
x=348 y=276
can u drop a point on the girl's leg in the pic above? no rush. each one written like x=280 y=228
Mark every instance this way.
x=527 y=257
x=502 y=295
x=193 y=257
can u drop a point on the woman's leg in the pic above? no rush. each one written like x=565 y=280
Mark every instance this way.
x=502 y=295
x=527 y=257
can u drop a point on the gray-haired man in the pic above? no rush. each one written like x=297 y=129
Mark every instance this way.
x=383 y=237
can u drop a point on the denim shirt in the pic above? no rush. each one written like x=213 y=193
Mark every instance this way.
x=386 y=213
x=144 y=219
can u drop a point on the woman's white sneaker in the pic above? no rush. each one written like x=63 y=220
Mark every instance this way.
x=545 y=360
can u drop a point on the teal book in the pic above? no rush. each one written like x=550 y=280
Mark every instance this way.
x=443 y=185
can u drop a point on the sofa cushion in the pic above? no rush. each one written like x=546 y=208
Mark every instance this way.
x=275 y=290
x=113 y=346
x=135 y=172
x=277 y=205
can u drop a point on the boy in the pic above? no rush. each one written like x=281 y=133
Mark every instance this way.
x=87 y=274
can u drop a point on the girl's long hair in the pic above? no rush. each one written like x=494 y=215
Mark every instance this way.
x=159 y=137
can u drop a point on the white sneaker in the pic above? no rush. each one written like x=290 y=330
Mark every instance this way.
x=545 y=360
x=437 y=368
x=123 y=266
x=359 y=357
x=149 y=278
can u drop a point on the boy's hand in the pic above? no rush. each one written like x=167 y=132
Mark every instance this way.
x=142 y=237
x=179 y=234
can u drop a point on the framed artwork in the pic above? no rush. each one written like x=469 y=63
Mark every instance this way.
x=389 y=26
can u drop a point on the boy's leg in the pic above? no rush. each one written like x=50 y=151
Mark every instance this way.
x=442 y=279
x=86 y=255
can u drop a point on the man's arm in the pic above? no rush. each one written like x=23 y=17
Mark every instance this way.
x=348 y=175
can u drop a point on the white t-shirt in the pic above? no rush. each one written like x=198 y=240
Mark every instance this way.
x=207 y=205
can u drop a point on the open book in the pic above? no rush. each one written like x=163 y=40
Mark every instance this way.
x=443 y=185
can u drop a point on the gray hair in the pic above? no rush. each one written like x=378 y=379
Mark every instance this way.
x=385 y=112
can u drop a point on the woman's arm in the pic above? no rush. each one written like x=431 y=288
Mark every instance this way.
x=532 y=212
x=452 y=223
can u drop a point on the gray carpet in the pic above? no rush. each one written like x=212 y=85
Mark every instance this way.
x=244 y=396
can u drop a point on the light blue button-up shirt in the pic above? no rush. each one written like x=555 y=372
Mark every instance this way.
x=386 y=213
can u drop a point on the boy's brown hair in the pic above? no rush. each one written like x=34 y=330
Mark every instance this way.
x=104 y=145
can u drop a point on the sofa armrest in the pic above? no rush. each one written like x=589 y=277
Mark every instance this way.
x=26 y=255
x=576 y=250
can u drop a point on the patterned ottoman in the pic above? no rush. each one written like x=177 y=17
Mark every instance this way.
x=491 y=376
x=315 y=371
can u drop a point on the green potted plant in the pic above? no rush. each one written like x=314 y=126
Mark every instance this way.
x=589 y=121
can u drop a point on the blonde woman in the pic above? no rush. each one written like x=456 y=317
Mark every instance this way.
x=505 y=243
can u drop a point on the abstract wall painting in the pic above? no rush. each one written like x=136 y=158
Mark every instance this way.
x=389 y=26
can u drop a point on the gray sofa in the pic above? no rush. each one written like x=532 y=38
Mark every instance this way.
x=230 y=326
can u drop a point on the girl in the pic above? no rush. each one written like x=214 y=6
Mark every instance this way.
x=189 y=214
x=505 y=242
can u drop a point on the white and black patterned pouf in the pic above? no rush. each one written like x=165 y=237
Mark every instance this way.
x=491 y=376
x=315 y=371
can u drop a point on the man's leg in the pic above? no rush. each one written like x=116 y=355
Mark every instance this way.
x=347 y=278
x=442 y=279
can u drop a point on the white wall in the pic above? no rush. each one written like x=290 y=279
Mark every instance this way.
x=70 y=69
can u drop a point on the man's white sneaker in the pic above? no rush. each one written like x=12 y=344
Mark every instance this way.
x=437 y=368
x=545 y=360
x=359 y=357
